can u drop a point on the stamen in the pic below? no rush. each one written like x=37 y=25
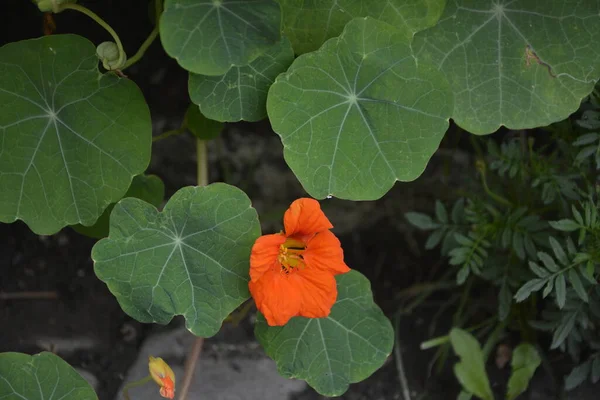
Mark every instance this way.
x=290 y=255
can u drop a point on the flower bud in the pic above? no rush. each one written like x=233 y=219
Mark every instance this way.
x=163 y=376
x=108 y=52
x=51 y=5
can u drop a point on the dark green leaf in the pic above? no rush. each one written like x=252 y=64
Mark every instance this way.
x=421 y=221
x=200 y=126
x=565 y=327
x=548 y=288
x=539 y=271
x=529 y=287
x=39 y=377
x=518 y=245
x=586 y=139
x=548 y=261
x=577 y=215
x=559 y=252
x=585 y=153
x=458 y=211
x=440 y=212
x=462 y=275
x=596 y=369
x=434 y=239
x=561 y=290
x=191 y=259
x=470 y=371
x=330 y=353
x=578 y=375
x=210 y=37
x=566 y=225
x=577 y=285
x=504 y=301
x=463 y=240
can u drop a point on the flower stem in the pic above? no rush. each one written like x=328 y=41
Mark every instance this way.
x=142 y=50
x=167 y=134
x=100 y=21
x=192 y=358
x=133 y=384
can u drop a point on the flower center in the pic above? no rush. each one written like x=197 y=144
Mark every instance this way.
x=290 y=255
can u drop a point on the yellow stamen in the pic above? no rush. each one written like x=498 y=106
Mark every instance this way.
x=290 y=255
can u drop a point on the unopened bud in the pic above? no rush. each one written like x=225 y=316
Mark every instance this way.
x=108 y=52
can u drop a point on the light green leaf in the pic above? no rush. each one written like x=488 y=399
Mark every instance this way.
x=519 y=64
x=211 y=36
x=309 y=23
x=525 y=360
x=72 y=139
x=330 y=353
x=191 y=259
x=144 y=187
x=39 y=377
x=359 y=113
x=241 y=94
x=200 y=126
x=470 y=371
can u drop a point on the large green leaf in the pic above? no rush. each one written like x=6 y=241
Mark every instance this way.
x=209 y=37
x=470 y=371
x=330 y=353
x=309 y=23
x=359 y=113
x=43 y=376
x=241 y=94
x=145 y=187
x=191 y=259
x=71 y=138
x=521 y=64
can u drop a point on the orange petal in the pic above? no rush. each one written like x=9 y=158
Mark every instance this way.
x=264 y=254
x=324 y=252
x=304 y=217
x=277 y=297
x=318 y=291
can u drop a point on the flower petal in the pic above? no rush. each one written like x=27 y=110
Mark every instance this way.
x=264 y=254
x=305 y=217
x=324 y=252
x=277 y=297
x=318 y=291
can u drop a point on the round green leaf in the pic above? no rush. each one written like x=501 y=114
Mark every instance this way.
x=200 y=126
x=149 y=188
x=359 y=113
x=330 y=353
x=72 y=139
x=40 y=377
x=209 y=37
x=309 y=23
x=521 y=64
x=191 y=259
x=241 y=94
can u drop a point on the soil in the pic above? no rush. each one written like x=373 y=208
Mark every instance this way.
x=85 y=325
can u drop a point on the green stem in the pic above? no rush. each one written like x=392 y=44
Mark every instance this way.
x=493 y=195
x=167 y=134
x=202 y=162
x=100 y=21
x=142 y=50
x=133 y=384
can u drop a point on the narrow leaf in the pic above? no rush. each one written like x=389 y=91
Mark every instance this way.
x=421 y=221
x=548 y=261
x=531 y=286
x=577 y=285
x=565 y=327
x=559 y=252
x=578 y=375
x=561 y=290
x=440 y=212
x=565 y=225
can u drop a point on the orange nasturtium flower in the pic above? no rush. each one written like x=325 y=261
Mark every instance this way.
x=292 y=272
x=163 y=375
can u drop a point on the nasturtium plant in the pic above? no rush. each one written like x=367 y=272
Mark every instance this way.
x=361 y=94
x=360 y=113
x=519 y=64
x=72 y=138
x=330 y=353
x=191 y=259
x=43 y=376
x=208 y=37
x=309 y=23
x=241 y=93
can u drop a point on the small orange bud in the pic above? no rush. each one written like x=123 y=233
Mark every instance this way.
x=163 y=376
